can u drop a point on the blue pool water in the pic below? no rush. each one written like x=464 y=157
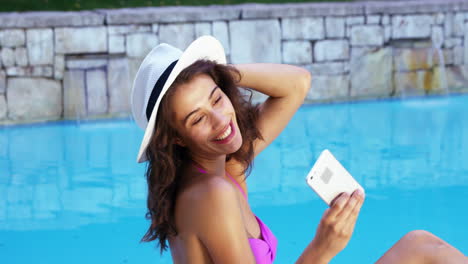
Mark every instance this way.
x=73 y=193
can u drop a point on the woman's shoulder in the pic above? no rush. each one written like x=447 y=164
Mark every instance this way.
x=205 y=189
x=197 y=203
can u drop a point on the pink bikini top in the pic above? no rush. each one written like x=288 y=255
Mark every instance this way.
x=263 y=248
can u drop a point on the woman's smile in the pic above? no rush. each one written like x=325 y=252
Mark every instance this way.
x=226 y=135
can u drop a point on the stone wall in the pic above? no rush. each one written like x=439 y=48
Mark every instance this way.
x=76 y=65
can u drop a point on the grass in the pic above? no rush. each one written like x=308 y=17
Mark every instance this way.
x=75 y=5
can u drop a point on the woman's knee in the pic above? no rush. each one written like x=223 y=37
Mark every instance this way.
x=418 y=238
x=428 y=248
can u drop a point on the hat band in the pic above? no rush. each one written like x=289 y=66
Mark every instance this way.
x=158 y=88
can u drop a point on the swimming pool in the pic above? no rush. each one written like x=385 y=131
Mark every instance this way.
x=73 y=192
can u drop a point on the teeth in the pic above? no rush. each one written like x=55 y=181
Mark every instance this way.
x=225 y=134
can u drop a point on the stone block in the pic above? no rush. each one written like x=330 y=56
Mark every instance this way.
x=133 y=67
x=2 y=81
x=421 y=44
x=466 y=43
x=255 y=41
x=140 y=44
x=74 y=94
x=335 y=27
x=414 y=59
x=412 y=7
x=36 y=71
x=458 y=24
x=40 y=44
x=387 y=33
x=311 y=28
x=18 y=71
x=413 y=83
x=185 y=33
x=264 y=11
x=452 y=42
x=42 y=71
x=171 y=14
x=411 y=26
x=458 y=55
x=456 y=77
x=373 y=19
x=21 y=56
x=11 y=38
x=297 y=52
x=59 y=67
x=439 y=18
x=119 y=83
x=448 y=24
x=327 y=68
x=8 y=57
x=331 y=50
x=367 y=35
x=34 y=98
x=50 y=19
x=385 y=20
x=96 y=87
x=127 y=29
x=371 y=74
x=203 y=28
x=220 y=32
x=3 y=107
x=437 y=36
x=324 y=87
x=447 y=55
x=80 y=40
x=85 y=63
x=355 y=20
x=155 y=28
x=357 y=52
x=116 y=44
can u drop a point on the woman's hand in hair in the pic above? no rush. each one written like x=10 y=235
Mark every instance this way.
x=286 y=86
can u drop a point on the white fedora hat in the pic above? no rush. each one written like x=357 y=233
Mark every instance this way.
x=157 y=72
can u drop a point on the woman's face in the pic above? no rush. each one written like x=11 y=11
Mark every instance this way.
x=205 y=118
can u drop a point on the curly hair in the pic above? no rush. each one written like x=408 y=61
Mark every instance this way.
x=165 y=158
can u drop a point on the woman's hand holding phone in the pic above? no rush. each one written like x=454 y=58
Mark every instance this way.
x=333 y=183
x=335 y=228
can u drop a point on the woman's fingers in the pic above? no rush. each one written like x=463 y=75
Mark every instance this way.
x=352 y=217
x=348 y=210
x=337 y=205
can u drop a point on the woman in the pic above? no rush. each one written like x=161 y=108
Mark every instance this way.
x=201 y=136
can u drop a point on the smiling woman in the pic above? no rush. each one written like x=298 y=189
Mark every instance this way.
x=201 y=113
x=201 y=137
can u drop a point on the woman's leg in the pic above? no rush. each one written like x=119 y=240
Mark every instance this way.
x=422 y=247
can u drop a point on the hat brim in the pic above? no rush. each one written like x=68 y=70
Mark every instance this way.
x=205 y=47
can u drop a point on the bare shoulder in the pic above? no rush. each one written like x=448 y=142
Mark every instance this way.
x=206 y=195
x=209 y=209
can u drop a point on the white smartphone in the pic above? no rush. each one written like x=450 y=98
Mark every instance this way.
x=328 y=178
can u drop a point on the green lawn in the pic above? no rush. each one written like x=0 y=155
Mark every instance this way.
x=68 y=5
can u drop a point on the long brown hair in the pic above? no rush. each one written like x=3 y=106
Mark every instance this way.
x=165 y=158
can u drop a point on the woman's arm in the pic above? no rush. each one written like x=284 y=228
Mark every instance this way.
x=286 y=86
x=335 y=229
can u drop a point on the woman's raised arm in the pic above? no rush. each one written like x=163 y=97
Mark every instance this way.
x=286 y=86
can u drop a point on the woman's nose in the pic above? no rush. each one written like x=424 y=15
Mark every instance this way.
x=219 y=120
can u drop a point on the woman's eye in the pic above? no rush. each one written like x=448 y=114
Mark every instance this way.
x=217 y=100
x=198 y=120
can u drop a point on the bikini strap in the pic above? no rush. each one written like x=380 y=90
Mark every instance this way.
x=200 y=169
x=238 y=185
